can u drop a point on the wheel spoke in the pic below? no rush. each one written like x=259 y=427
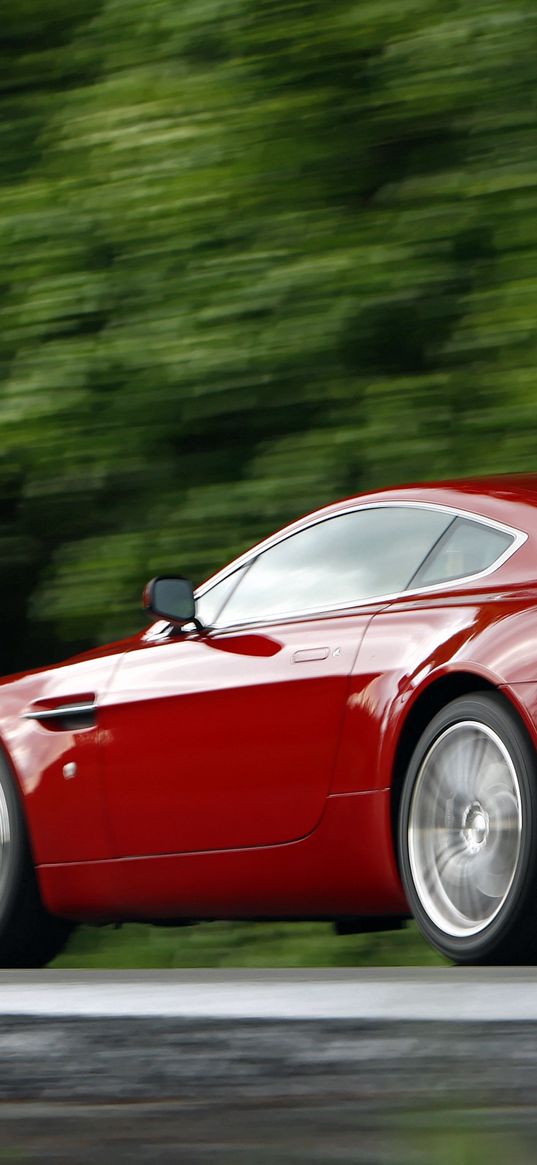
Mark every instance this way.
x=470 y=899
x=5 y=839
x=464 y=829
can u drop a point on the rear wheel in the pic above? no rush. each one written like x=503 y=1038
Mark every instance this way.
x=467 y=833
x=29 y=936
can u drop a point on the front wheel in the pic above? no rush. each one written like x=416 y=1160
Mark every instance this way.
x=29 y=936
x=468 y=833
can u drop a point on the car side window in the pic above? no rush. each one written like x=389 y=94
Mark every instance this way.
x=340 y=561
x=209 y=605
x=467 y=548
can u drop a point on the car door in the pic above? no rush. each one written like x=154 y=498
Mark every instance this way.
x=227 y=737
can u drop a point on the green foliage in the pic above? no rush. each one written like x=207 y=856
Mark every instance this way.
x=244 y=944
x=459 y=1138
x=255 y=254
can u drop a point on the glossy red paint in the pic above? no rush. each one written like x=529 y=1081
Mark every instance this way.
x=67 y=819
x=247 y=772
x=408 y=648
x=325 y=875
x=226 y=740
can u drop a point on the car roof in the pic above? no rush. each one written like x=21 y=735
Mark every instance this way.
x=508 y=498
x=513 y=487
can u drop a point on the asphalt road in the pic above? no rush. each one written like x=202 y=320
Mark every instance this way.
x=393 y=1067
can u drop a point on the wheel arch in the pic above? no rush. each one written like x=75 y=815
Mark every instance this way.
x=20 y=792
x=435 y=696
x=503 y=931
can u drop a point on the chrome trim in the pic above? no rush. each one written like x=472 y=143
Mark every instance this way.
x=61 y=712
x=465 y=829
x=519 y=538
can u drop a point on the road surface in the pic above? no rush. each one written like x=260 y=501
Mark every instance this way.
x=443 y=995
x=387 y=1067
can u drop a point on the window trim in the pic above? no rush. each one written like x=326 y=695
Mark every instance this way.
x=519 y=537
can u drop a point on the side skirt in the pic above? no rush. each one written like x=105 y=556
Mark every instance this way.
x=344 y=870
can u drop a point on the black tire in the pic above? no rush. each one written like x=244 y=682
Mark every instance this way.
x=468 y=833
x=29 y=936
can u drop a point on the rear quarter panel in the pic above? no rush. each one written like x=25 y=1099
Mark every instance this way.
x=415 y=643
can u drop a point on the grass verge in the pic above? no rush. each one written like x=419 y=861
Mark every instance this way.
x=243 y=944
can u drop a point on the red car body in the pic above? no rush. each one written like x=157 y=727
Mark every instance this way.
x=254 y=771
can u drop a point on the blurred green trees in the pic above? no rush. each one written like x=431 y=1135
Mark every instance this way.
x=255 y=255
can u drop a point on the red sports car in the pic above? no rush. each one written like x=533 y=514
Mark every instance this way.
x=342 y=724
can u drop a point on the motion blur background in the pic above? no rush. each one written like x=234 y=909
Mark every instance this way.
x=255 y=255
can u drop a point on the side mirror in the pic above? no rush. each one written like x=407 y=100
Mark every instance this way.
x=171 y=599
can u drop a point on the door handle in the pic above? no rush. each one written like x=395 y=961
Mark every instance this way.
x=67 y=713
x=309 y=654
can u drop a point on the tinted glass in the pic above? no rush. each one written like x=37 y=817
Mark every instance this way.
x=210 y=604
x=338 y=562
x=468 y=548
